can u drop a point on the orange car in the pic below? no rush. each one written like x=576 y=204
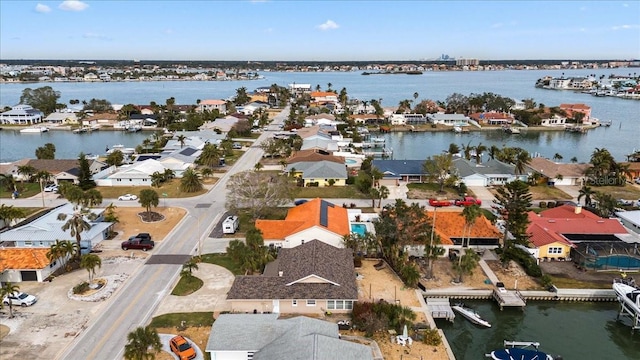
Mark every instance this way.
x=181 y=347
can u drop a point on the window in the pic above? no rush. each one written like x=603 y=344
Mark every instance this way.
x=294 y=302
x=554 y=250
x=339 y=304
x=311 y=303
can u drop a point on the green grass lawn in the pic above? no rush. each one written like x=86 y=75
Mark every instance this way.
x=430 y=190
x=330 y=192
x=567 y=283
x=627 y=192
x=187 y=285
x=26 y=190
x=171 y=188
x=224 y=261
x=544 y=192
x=194 y=319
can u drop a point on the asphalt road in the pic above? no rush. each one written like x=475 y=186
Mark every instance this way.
x=133 y=305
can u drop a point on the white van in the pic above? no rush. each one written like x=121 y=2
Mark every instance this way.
x=230 y=225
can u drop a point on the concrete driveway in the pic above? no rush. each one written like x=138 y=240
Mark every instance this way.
x=165 y=338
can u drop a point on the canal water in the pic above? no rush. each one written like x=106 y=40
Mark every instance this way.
x=574 y=330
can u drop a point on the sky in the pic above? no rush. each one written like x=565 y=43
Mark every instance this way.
x=317 y=30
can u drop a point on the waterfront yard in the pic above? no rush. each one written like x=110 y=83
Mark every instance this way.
x=544 y=192
x=430 y=190
x=25 y=190
x=627 y=192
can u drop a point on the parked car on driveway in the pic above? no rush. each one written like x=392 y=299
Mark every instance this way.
x=468 y=201
x=127 y=197
x=181 y=347
x=20 y=298
x=138 y=244
x=439 y=202
x=51 y=188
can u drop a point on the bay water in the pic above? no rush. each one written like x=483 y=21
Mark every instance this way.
x=573 y=330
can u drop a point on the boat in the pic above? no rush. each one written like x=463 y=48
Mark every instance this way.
x=122 y=149
x=471 y=315
x=79 y=130
x=510 y=130
x=457 y=129
x=628 y=294
x=35 y=130
x=518 y=350
x=134 y=128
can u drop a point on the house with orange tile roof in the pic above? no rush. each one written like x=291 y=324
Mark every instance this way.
x=572 y=109
x=315 y=219
x=554 y=232
x=25 y=264
x=492 y=118
x=212 y=104
x=324 y=96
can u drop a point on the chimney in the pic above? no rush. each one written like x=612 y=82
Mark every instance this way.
x=280 y=273
x=577 y=209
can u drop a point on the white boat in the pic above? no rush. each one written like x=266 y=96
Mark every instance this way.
x=457 y=129
x=35 y=129
x=471 y=315
x=124 y=150
x=628 y=295
x=517 y=350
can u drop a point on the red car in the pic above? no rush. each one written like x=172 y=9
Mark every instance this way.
x=439 y=202
x=468 y=201
x=181 y=347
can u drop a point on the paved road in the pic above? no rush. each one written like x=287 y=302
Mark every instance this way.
x=136 y=301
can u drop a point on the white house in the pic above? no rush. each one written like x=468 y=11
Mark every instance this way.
x=630 y=219
x=492 y=172
x=22 y=115
x=555 y=120
x=210 y=105
x=137 y=174
x=448 y=119
x=397 y=119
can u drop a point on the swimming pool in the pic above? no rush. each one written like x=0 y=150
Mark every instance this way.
x=359 y=229
x=350 y=162
x=617 y=261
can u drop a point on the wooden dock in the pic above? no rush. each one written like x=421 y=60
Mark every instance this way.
x=440 y=308
x=509 y=298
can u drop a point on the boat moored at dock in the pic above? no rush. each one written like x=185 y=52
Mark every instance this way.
x=521 y=350
x=34 y=130
x=471 y=315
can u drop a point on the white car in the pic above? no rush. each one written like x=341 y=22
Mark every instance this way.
x=20 y=298
x=51 y=188
x=127 y=197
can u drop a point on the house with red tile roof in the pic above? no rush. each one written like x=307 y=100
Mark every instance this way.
x=492 y=118
x=213 y=104
x=25 y=264
x=315 y=219
x=554 y=232
x=571 y=109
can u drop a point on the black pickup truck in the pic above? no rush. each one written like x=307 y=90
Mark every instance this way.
x=141 y=241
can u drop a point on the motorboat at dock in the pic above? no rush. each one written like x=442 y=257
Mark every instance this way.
x=519 y=350
x=34 y=130
x=628 y=295
x=471 y=315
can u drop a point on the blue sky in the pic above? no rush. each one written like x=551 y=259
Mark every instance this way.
x=319 y=30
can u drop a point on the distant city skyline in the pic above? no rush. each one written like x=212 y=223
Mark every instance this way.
x=273 y=30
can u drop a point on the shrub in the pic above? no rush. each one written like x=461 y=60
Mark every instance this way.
x=432 y=337
x=543 y=204
x=81 y=288
x=351 y=180
x=523 y=258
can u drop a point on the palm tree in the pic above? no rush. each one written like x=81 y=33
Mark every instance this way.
x=587 y=193
x=9 y=289
x=27 y=170
x=77 y=224
x=56 y=252
x=467 y=263
x=493 y=151
x=210 y=156
x=190 y=181
x=191 y=265
x=89 y=262
x=557 y=157
x=522 y=159
x=258 y=166
x=470 y=214
x=148 y=198
x=383 y=193
x=479 y=150
x=156 y=179
x=10 y=213
x=574 y=160
x=375 y=194
x=69 y=249
x=182 y=140
x=91 y=198
x=8 y=182
x=140 y=342
x=168 y=174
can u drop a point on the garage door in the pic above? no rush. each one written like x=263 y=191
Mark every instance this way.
x=29 y=275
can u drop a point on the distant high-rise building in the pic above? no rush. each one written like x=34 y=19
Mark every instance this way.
x=467 y=62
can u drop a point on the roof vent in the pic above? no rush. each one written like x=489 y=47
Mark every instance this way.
x=577 y=209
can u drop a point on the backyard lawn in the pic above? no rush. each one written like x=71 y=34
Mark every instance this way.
x=25 y=190
x=330 y=192
x=627 y=192
x=171 y=188
x=544 y=192
x=430 y=190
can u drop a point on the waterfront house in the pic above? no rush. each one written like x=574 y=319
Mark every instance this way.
x=298 y=90
x=324 y=97
x=271 y=338
x=553 y=120
x=394 y=171
x=65 y=169
x=492 y=118
x=320 y=119
x=492 y=172
x=136 y=174
x=365 y=118
x=554 y=232
x=630 y=219
x=317 y=166
x=311 y=278
x=25 y=264
x=558 y=174
x=571 y=109
x=62 y=118
x=224 y=124
x=315 y=219
x=21 y=115
x=448 y=119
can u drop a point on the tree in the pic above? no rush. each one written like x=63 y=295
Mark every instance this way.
x=521 y=161
x=91 y=198
x=605 y=204
x=182 y=140
x=191 y=265
x=383 y=193
x=574 y=160
x=438 y=168
x=258 y=191
x=157 y=178
x=84 y=173
x=115 y=158
x=55 y=252
x=374 y=194
x=467 y=263
x=241 y=96
x=190 y=181
x=515 y=198
x=210 y=156
x=480 y=149
x=27 y=171
x=43 y=98
x=10 y=213
x=251 y=255
x=557 y=157
x=48 y=151
x=42 y=177
x=9 y=289
x=7 y=182
x=149 y=198
x=470 y=214
x=142 y=344
x=77 y=224
x=71 y=192
x=453 y=149
x=89 y=262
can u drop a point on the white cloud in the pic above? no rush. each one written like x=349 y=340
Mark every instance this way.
x=328 y=25
x=72 y=5
x=42 y=8
x=625 y=27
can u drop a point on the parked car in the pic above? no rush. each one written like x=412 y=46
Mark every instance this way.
x=51 y=188
x=439 y=202
x=127 y=197
x=501 y=288
x=237 y=146
x=468 y=201
x=138 y=244
x=181 y=347
x=20 y=298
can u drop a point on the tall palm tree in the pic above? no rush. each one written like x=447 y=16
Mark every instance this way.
x=586 y=193
x=91 y=198
x=69 y=250
x=10 y=213
x=26 y=171
x=156 y=179
x=493 y=151
x=210 y=156
x=480 y=149
x=190 y=265
x=142 y=344
x=9 y=289
x=56 y=252
x=89 y=262
x=383 y=193
x=77 y=224
x=522 y=159
x=557 y=157
x=470 y=214
x=8 y=182
x=182 y=140
x=190 y=181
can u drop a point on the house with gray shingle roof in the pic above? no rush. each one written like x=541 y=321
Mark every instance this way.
x=400 y=170
x=322 y=172
x=270 y=338
x=492 y=172
x=309 y=279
